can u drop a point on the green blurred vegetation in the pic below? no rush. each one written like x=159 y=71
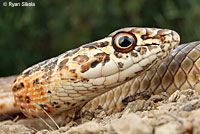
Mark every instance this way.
x=32 y=34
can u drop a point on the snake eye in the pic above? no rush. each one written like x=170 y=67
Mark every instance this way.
x=124 y=42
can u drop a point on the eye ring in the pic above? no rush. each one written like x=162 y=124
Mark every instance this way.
x=124 y=42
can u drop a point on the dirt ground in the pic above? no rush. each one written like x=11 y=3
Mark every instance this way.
x=178 y=113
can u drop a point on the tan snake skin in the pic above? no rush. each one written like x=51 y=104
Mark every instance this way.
x=77 y=76
x=180 y=71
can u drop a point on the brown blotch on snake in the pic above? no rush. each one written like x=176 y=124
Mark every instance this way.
x=72 y=70
x=134 y=54
x=118 y=54
x=106 y=59
x=120 y=64
x=85 y=68
x=104 y=56
x=36 y=81
x=70 y=73
x=90 y=46
x=150 y=47
x=27 y=99
x=100 y=55
x=67 y=103
x=93 y=63
x=103 y=44
x=143 y=50
x=63 y=63
x=95 y=45
x=81 y=58
x=16 y=88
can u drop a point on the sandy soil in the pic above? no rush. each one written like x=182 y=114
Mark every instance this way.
x=178 y=113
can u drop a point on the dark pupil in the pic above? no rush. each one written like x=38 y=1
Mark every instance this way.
x=125 y=41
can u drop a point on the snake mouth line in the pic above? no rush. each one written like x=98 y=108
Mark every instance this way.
x=143 y=68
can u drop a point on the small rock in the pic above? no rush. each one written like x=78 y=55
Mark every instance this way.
x=169 y=128
x=9 y=127
x=131 y=124
x=182 y=96
x=87 y=128
x=44 y=131
x=175 y=96
x=188 y=126
x=195 y=117
x=187 y=108
x=159 y=97
x=135 y=106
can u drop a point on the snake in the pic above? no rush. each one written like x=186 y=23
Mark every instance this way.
x=104 y=72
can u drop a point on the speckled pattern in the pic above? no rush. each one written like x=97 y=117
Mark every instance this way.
x=73 y=78
x=181 y=70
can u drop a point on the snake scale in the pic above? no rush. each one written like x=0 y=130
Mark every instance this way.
x=106 y=73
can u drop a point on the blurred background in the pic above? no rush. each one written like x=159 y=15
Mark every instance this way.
x=29 y=35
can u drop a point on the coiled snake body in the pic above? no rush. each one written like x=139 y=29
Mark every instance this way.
x=180 y=71
x=119 y=62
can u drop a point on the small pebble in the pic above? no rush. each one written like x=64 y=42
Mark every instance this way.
x=170 y=128
x=187 y=108
x=131 y=124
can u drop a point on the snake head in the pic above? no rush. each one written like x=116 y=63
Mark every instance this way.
x=123 y=55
